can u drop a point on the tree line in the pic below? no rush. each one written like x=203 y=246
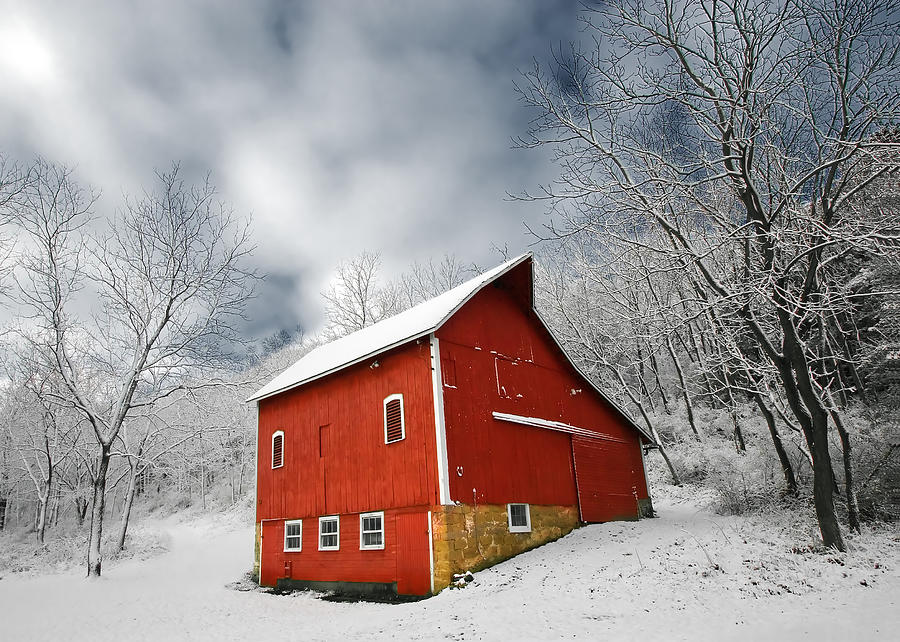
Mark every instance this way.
x=116 y=320
x=727 y=196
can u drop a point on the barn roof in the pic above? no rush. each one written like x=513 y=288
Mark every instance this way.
x=411 y=324
x=418 y=321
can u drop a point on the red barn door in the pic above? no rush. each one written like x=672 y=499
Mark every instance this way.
x=271 y=564
x=605 y=475
x=413 y=554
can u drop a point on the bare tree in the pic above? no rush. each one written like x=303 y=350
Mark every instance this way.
x=727 y=139
x=423 y=281
x=359 y=295
x=36 y=440
x=170 y=286
x=281 y=338
x=357 y=298
x=141 y=442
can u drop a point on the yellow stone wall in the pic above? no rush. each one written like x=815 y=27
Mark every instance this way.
x=467 y=538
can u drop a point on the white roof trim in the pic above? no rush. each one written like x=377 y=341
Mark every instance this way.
x=558 y=426
x=380 y=337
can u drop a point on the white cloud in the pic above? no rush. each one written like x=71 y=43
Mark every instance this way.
x=341 y=126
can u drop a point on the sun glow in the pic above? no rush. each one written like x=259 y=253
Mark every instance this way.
x=25 y=54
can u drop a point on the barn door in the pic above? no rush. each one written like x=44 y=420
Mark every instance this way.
x=325 y=451
x=605 y=476
x=413 y=554
x=271 y=565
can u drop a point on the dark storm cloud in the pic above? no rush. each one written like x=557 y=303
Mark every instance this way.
x=341 y=126
x=268 y=311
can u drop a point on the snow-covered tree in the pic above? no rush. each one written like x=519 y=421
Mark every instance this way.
x=166 y=282
x=727 y=140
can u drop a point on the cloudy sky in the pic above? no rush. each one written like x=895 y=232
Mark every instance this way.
x=341 y=126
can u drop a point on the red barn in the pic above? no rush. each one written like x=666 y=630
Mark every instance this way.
x=449 y=437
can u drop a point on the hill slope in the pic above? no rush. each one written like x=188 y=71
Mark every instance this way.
x=688 y=574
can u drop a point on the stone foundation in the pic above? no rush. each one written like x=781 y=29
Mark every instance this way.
x=470 y=538
x=645 y=508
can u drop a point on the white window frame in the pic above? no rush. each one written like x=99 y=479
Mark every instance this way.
x=274 y=435
x=387 y=400
x=362 y=545
x=330 y=518
x=519 y=529
x=293 y=522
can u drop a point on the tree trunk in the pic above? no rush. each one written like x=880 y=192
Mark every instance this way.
x=95 y=558
x=126 y=510
x=4 y=502
x=701 y=361
x=654 y=366
x=647 y=422
x=684 y=388
x=41 y=526
x=814 y=423
x=642 y=379
x=662 y=451
x=739 y=443
x=81 y=506
x=849 y=487
x=823 y=486
x=813 y=418
x=54 y=511
x=202 y=473
x=789 y=479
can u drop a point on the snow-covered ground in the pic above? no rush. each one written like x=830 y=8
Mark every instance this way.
x=687 y=575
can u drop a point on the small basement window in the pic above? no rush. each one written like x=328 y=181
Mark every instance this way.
x=278 y=449
x=394 y=425
x=371 y=531
x=329 y=533
x=519 y=518
x=293 y=535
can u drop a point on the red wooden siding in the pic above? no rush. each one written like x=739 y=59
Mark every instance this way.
x=502 y=359
x=404 y=559
x=606 y=473
x=335 y=458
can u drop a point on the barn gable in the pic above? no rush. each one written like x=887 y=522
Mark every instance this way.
x=363 y=344
x=514 y=276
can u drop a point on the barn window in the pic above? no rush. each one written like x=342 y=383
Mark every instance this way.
x=293 y=535
x=448 y=370
x=278 y=449
x=329 y=533
x=371 y=531
x=394 y=424
x=519 y=518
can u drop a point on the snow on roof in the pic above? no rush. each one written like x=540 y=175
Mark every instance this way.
x=384 y=335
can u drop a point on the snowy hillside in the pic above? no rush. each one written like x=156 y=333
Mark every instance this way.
x=688 y=574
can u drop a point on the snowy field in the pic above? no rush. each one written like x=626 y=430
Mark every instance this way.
x=688 y=575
